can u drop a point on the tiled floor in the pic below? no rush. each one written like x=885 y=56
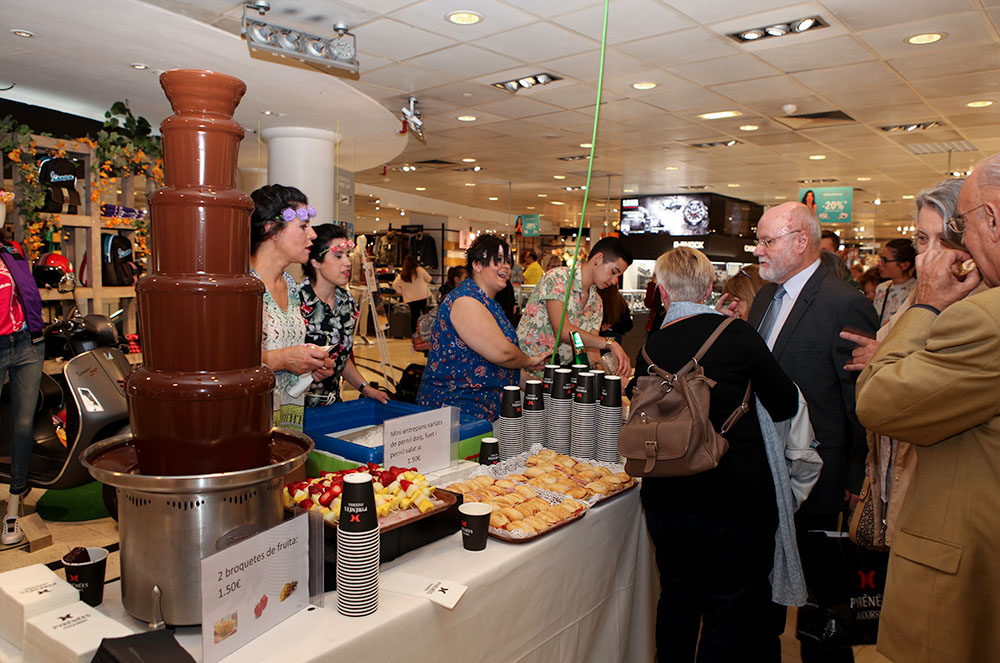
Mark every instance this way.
x=104 y=532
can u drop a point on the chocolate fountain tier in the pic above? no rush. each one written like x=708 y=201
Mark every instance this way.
x=168 y=524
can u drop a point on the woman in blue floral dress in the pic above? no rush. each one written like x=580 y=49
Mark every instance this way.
x=474 y=352
x=331 y=313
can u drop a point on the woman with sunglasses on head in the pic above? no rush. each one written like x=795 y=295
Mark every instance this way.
x=897 y=263
x=331 y=314
x=280 y=234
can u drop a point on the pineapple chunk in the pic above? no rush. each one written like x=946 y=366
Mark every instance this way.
x=405 y=503
x=424 y=504
x=331 y=516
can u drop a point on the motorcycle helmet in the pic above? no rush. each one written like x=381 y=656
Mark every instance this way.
x=50 y=268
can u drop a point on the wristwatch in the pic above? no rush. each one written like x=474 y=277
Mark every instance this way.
x=608 y=344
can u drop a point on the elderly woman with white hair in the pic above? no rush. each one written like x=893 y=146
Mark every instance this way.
x=714 y=532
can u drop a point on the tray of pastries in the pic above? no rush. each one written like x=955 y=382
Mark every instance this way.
x=520 y=513
x=585 y=480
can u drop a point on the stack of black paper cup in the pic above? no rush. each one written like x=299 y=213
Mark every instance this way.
x=534 y=414
x=584 y=409
x=559 y=412
x=609 y=419
x=358 y=548
x=511 y=423
x=550 y=371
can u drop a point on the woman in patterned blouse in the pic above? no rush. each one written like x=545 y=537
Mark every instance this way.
x=331 y=313
x=280 y=234
x=474 y=351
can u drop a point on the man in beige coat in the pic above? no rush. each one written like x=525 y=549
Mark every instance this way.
x=935 y=382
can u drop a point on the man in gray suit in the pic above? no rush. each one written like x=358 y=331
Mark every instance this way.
x=800 y=315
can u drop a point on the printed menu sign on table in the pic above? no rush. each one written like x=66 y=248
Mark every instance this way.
x=420 y=440
x=252 y=586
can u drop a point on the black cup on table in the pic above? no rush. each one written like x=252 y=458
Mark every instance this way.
x=611 y=387
x=475 y=519
x=561 y=385
x=550 y=371
x=489 y=451
x=510 y=404
x=533 y=401
x=584 y=388
x=357 y=504
x=88 y=576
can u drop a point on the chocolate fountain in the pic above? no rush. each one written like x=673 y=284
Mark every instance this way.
x=202 y=468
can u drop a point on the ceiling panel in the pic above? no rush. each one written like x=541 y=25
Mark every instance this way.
x=578 y=96
x=949 y=63
x=775 y=89
x=868 y=15
x=408 y=79
x=710 y=12
x=586 y=66
x=961 y=30
x=816 y=54
x=537 y=42
x=551 y=7
x=628 y=20
x=896 y=114
x=475 y=61
x=849 y=98
x=852 y=77
x=679 y=47
x=518 y=107
x=467 y=93
x=431 y=15
x=687 y=100
x=724 y=70
x=952 y=86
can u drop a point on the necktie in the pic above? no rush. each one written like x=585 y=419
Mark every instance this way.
x=767 y=324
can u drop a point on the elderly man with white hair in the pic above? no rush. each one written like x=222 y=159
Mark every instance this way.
x=800 y=316
x=934 y=382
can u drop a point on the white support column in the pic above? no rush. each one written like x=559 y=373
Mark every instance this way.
x=304 y=158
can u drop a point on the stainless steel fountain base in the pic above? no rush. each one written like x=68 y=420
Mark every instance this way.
x=168 y=524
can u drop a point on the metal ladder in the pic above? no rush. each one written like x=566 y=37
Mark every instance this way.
x=368 y=299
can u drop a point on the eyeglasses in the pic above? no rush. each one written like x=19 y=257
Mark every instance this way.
x=885 y=261
x=956 y=223
x=766 y=243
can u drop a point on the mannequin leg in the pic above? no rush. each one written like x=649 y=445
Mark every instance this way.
x=22 y=360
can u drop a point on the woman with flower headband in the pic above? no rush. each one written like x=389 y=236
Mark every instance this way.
x=280 y=234
x=331 y=314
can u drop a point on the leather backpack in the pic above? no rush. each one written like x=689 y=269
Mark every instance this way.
x=668 y=432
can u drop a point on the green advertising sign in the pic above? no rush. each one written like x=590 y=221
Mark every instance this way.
x=832 y=204
x=531 y=224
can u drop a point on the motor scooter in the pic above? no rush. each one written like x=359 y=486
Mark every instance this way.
x=82 y=404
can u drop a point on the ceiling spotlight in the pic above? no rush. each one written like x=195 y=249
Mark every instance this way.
x=511 y=86
x=817 y=157
x=925 y=38
x=267 y=112
x=468 y=160
x=778 y=30
x=751 y=35
x=338 y=52
x=877 y=201
x=543 y=79
x=27 y=34
x=718 y=115
x=983 y=103
x=730 y=143
x=557 y=202
x=671 y=168
x=543 y=195
x=494 y=198
x=864 y=179
x=421 y=188
x=476 y=169
x=908 y=197
x=803 y=25
x=732 y=186
x=644 y=85
x=138 y=66
x=464 y=17
x=586 y=145
x=749 y=127
x=466 y=118
x=526 y=82
x=558 y=177
x=470 y=184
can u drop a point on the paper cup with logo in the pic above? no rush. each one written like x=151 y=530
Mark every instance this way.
x=475 y=518
x=357 y=505
x=489 y=451
x=88 y=577
x=510 y=403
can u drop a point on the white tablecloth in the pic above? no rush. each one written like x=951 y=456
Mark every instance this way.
x=584 y=593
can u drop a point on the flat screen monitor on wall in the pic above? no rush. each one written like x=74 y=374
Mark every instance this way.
x=676 y=215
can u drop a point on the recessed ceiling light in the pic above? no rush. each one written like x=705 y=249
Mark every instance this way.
x=466 y=118
x=468 y=160
x=817 y=157
x=925 y=38
x=732 y=186
x=586 y=145
x=558 y=177
x=803 y=25
x=421 y=188
x=494 y=198
x=628 y=190
x=907 y=197
x=671 y=168
x=530 y=207
x=543 y=195
x=749 y=127
x=780 y=197
x=644 y=85
x=470 y=184
x=864 y=179
x=27 y=34
x=718 y=115
x=267 y=112
x=140 y=66
x=557 y=202
x=982 y=103
x=778 y=30
x=464 y=17
x=751 y=35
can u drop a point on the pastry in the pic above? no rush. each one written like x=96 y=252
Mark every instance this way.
x=482 y=481
x=517 y=477
x=579 y=493
x=521 y=527
x=504 y=483
x=498 y=519
x=525 y=509
x=603 y=471
x=526 y=491
x=600 y=487
x=533 y=472
x=537 y=523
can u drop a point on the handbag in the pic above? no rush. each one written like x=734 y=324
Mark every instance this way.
x=668 y=432
x=867 y=525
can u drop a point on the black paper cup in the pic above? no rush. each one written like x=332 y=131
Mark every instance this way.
x=584 y=388
x=88 y=577
x=489 y=451
x=561 y=385
x=611 y=395
x=510 y=403
x=598 y=383
x=533 y=391
x=577 y=369
x=550 y=371
x=475 y=518
x=357 y=506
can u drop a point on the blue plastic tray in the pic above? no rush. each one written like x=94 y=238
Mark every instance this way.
x=319 y=421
